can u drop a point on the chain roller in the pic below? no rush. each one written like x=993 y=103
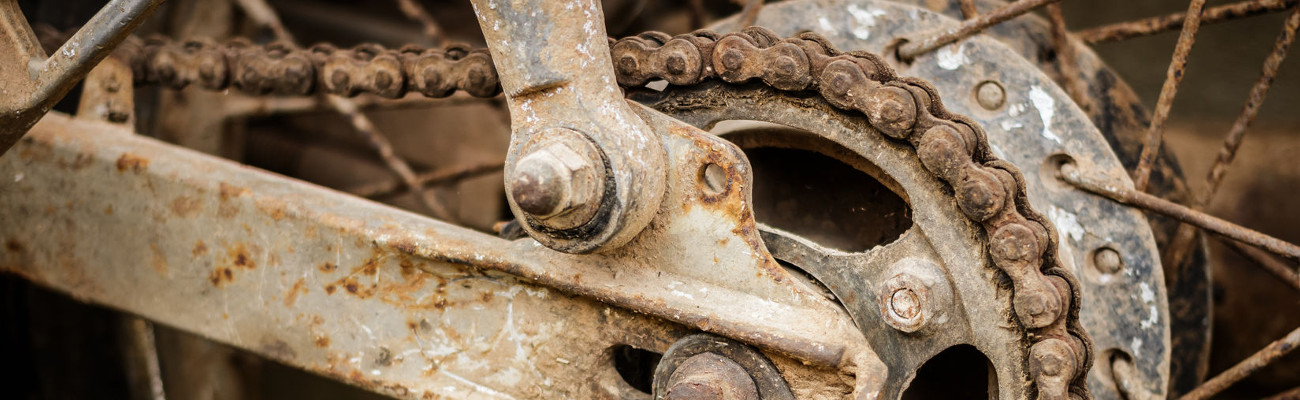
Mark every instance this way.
x=990 y=192
x=284 y=70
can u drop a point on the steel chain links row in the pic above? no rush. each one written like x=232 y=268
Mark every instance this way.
x=284 y=70
x=989 y=191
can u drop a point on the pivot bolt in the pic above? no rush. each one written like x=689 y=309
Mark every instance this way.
x=990 y=95
x=915 y=297
x=708 y=376
x=559 y=179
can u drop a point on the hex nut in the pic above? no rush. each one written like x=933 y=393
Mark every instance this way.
x=559 y=179
x=915 y=297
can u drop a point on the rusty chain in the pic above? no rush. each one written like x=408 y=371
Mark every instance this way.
x=989 y=191
x=284 y=70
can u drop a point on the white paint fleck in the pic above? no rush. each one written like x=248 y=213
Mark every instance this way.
x=1153 y=317
x=1046 y=109
x=825 y=24
x=1136 y=346
x=1067 y=224
x=951 y=57
x=866 y=19
x=375 y=372
x=18 y=177
x=1016 y=109
x=1148 y=296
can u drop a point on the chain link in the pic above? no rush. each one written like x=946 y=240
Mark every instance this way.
x=989 y=191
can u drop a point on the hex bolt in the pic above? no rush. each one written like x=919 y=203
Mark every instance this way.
x=1107 y=260
x=559 y=179
x=707 y=376
x=915 y=297
x=990 y=95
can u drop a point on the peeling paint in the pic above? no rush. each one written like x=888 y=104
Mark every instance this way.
x=1046 y=110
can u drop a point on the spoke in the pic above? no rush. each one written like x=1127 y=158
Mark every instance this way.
x=749 y=14
x=933 y=40
x=413 y=10
x=1150 y=26
x=1067 y=59
x=1070 y=174
x=263 y=14
x=1261 y=258
x=1128 y=380
x=1246 y=367
x=1173 y=77
x=968 y=9
x=1183 y=239
x=448 y=176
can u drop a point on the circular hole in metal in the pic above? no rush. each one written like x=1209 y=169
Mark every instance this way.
x=817 y=189
x=959 y=372
x=713 y=180
x=1050 y=171
x=1106 y=260
x=990 y=95
x=636 y=366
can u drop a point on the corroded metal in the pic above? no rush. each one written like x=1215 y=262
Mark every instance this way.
x=1183 y=239
x=925 y=43
x=1173 y=78
x=739 y=368
x=33 y=82
x=1150 y=26
x=1084 y=223
x=1103 y=186
x=571 y=86
x=391 y=301
x=1241 y=370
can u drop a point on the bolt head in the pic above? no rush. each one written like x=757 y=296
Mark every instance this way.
x=559 y=179
x=708 y=376
x=915 y=297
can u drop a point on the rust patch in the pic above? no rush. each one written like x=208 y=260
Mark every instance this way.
x=14 y=246
x=200 y=248
x=221 y=276
x=185 y=206
x=322 y=341
x=131 y=162
x=108 y=210
x=329 y=289
x=159 y=262
x=327 y=267
x=228 y=191
x=299 y=286
x=240 y=259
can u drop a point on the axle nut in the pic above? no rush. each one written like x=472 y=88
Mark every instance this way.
x=915 y=297
x=559 y=179
x=707 y=376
